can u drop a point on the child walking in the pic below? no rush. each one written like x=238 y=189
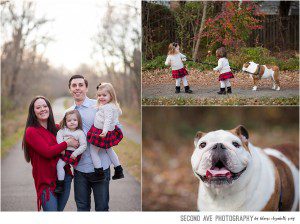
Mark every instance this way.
x=175 y=60
x=71 y=126
x=225 y=71
x=105 y=133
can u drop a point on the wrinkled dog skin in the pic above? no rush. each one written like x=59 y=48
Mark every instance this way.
x=235 y=175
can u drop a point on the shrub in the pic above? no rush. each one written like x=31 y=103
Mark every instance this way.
x=158 y=62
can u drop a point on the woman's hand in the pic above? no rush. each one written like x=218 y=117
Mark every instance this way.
x=102 y=135
x=72 y=142
x=73 y=156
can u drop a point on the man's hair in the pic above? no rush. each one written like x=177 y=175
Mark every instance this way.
x=78 y=77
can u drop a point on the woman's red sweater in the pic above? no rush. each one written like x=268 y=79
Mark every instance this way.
x=43 y=151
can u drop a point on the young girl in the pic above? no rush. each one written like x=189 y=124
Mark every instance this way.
x=71 y=126
x=225 y=71
x=105 y=133
x=175 y=59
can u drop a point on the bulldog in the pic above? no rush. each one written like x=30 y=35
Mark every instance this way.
x=258 y=72
x=235 y=175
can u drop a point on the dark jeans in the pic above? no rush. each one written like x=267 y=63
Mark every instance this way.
x=83 y=188
x=57 y=203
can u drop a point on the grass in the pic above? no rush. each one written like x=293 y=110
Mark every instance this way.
x=12 y=129
x=129 y=154
x=8 y=142
x=237 y=101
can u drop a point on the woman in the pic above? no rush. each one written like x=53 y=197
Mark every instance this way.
x=40 y=147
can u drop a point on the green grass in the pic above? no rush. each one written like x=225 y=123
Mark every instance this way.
x=230 y=101
x=129 y=154
x=8 y=142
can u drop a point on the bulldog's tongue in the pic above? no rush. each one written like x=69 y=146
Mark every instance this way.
x=217 y=172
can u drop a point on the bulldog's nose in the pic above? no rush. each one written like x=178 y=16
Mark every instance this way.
x=219 y=146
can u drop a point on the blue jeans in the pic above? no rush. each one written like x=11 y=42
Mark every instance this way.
x=57 y=203
x=83 y=188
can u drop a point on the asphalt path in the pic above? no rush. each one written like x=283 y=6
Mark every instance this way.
x=168 y=91
x=17 y=186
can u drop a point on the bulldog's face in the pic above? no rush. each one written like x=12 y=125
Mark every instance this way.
x=220 y=157
x=245 y=66
x=249 y=67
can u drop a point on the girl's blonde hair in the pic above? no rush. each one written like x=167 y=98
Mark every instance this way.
x=110 y=89
x=221 y=52
x=172 y=48
x=63 y=123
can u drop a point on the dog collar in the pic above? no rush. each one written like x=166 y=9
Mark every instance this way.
x=256 y=73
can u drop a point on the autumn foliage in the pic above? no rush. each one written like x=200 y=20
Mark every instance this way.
x=233 y=25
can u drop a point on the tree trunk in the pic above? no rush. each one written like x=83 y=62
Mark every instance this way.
x=200 y=31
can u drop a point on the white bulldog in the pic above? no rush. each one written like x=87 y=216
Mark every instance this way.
x=258 y=72
x=237 y=176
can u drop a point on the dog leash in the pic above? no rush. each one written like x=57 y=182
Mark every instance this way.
x=214 y=65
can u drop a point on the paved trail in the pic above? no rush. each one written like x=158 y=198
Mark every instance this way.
x=168 y=91
x=18 y=192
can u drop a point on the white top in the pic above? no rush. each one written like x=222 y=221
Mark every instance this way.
x=223 y=66
x=175 y=61
x=107 y=117
x=64 y=134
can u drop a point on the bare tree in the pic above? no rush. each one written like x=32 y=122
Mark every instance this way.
x=200 y=31
x=118 y=42
x=22 y=30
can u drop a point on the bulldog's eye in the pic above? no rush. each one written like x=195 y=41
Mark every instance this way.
x=237 y=145
x=203 y=144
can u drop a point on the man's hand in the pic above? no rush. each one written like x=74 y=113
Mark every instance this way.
x=63 y=152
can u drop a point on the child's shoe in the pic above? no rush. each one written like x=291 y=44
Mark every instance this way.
x=187 y=89
x=118 y=173
x=60 y=186
x=98 y=175
x=222 y=91
x=177 y=89
x=229 y=90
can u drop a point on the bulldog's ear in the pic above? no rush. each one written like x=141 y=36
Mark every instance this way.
x=242 y=132
x=199 y=135
x=246 y=65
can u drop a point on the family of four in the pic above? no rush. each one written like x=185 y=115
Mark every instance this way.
x=84 y=139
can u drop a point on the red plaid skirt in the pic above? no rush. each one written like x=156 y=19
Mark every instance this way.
x=112 y=138
x=66 y=158
x=176 y=74
x=224 y=76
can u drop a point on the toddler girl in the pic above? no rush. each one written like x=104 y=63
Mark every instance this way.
x=225 y=71
x=105 y=133
x=71 y=126
x=175 y=59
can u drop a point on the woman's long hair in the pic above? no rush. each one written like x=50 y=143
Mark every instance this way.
x=32 y=121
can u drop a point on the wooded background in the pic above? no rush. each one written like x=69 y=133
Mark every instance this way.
x=168 y=143
x=180 y=21
x=26 y=72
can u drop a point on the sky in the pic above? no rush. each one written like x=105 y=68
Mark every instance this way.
x=75 y=23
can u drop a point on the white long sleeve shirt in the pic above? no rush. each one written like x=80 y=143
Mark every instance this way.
x=107 y=117
x=175 y=61
x=223 y=66
x=65 y=133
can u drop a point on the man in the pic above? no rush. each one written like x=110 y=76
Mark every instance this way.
x=84 y=176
